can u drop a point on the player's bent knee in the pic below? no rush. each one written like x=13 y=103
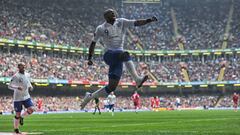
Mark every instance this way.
x=17 y=117
x=18 y=114
x=30 y=110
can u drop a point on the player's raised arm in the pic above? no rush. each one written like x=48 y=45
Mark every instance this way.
x=91 y=52
x=141 y=22
x=92 y=46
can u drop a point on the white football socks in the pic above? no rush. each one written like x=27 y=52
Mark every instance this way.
x=132 y=70
x=16 y=123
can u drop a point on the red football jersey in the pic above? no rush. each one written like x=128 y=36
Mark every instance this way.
x=157 y=102
x=39 y=102
x=136 y=97
x=235 y=98
x=152 y=102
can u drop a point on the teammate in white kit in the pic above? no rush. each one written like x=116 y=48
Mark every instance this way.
x=20 y=84
x=112 y=34
x=111 y=101
x=178 y=102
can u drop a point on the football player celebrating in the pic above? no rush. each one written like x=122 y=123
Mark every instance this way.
x=112 y=33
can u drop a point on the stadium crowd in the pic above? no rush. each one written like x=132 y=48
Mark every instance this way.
x=75 y=68
x=166 y=101
x=234 y=36
x=205 y=71
x=48 y=67
x=201 y=23
x=155 y=36
x=53 y=23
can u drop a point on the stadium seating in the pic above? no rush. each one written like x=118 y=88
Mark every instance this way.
x=202 y=23
x=55 y=67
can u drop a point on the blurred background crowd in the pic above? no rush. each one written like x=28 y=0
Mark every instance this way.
x=166 y=101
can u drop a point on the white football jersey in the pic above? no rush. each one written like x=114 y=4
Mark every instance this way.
x=178 y=100
x=23 y=81
x=111 y=99
x=113 y=36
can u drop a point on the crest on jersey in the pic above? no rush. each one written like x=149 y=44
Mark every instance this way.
x=20 y=80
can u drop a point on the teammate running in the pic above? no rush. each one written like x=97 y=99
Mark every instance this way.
x=21 y=85
x=112 y=100
x=112 y=33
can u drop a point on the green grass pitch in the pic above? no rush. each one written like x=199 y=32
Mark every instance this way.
x=129 y=123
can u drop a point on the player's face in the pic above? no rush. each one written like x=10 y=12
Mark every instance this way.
x=110 y=16
x=21 y=68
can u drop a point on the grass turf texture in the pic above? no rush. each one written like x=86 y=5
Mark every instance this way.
x=129 y=123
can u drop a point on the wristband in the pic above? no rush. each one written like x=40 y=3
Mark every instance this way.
x=89 y=56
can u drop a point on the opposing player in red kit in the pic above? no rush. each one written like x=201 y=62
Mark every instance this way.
x=157 y=101
x=235 y=101
x=39 y=104
x=136 y=100
x=152 y=101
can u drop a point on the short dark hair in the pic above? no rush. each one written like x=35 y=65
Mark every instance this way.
x=21 y=64
x=107 y=11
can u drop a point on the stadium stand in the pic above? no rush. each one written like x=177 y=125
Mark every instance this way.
x=55 y=23
x=201 y=25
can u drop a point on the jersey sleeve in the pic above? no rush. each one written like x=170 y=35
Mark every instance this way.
x=12 y=85
x=97 y=34
x=127 y=23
